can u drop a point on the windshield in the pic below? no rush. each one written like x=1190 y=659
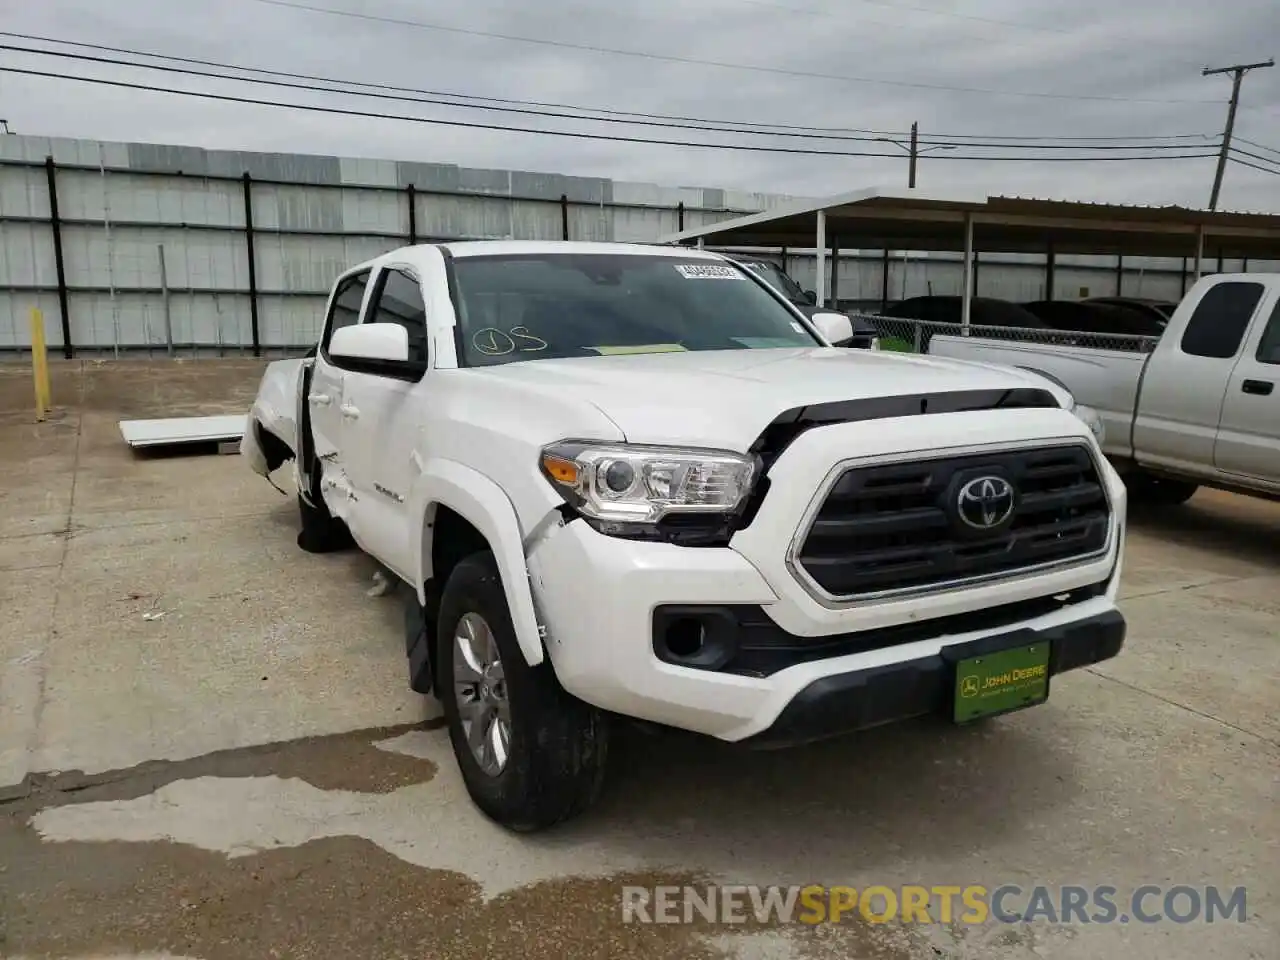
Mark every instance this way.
x=544 y=306
x=778 y=278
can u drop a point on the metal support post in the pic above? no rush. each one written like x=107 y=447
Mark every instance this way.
x=820 y=260
x=253 y=264
x=59 y=264
x=967 y=296
x=412 y=193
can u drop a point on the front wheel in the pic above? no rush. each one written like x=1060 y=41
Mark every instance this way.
x=531 y=755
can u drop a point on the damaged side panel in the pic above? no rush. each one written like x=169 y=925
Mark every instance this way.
x=272 y=434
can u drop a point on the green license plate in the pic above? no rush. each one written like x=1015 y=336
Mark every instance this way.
x=1002 y=681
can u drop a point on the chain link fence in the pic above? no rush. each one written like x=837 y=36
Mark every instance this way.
x=908 y=335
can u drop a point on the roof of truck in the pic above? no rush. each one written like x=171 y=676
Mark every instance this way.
x=499 y=248
x=507 y=248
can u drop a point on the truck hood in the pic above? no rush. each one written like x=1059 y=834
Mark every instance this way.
x=725 y=398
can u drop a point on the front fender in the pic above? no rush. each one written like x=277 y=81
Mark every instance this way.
x=485 y=506
x=276 y=403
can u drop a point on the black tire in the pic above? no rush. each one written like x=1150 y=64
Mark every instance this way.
x=1149 y=491
x=321 y=531
x=558 y=745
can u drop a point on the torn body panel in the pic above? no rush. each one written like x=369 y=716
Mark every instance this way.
x=274 y=417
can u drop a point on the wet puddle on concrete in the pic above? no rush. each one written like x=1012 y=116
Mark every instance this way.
x=352 y=846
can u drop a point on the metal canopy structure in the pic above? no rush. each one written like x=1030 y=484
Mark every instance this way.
x=917 y=220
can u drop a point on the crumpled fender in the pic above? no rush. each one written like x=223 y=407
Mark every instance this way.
x=277 y=400
x=482 y=502
x=250 y=450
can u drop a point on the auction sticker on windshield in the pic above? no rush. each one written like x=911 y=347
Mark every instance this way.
x=707 y=271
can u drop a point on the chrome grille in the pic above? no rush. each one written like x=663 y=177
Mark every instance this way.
x=899 y=526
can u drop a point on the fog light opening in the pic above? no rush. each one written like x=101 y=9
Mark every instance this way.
x=686 y=637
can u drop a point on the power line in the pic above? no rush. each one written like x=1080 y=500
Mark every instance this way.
x=1154 y=136
x=834 y=15
x=721 y=64
x=766 y=127
x=1019 y=25
x=953 y=14
x=433 y=98
x=575 y=134
x=465 y=96
x=1255 y=156
x=1255 y=166
x=436 y=101
x=1259 y=146
x=861 y=21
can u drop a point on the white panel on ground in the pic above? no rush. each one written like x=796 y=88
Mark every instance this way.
x=179 y=430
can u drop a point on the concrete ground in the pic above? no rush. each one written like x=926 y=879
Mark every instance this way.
x=208 y=749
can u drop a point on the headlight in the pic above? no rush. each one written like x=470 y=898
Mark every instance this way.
x=621 y=483
x=1091 y=419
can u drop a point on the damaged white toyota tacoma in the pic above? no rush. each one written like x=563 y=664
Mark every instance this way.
x=635 y=482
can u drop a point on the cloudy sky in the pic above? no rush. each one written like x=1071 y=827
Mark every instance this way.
x=971 y=68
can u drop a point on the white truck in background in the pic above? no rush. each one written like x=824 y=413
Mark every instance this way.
x=635 y=481
x=1201 y=409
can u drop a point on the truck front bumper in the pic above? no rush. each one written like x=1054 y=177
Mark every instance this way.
x=611 y=609
x=858 y=699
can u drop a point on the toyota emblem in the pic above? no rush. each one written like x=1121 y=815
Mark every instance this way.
x=985 y=503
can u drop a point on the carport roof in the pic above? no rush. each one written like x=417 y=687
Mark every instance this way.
x=912 y=219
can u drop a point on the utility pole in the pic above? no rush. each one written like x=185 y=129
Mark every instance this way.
x=915 y=152
x=1237 y=74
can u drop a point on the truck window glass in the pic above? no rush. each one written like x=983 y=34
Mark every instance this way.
x=346 y=304
x=1221 y=318
x=544 y=306
x=1269 y=345
x=779 y=279
x=400 y=301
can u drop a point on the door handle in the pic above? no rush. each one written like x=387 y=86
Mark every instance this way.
x=321 y=399
x=350 y=412
x=1262 y=388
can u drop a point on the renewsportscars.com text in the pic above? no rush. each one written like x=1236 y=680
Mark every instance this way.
x=974 y=904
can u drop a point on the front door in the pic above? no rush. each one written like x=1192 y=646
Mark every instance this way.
x=1183 y=386
x=1249 y=437
x=324 y=398
x=382 y=413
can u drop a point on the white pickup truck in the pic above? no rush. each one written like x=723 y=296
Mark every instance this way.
x=1201 y=409
x=635 y=482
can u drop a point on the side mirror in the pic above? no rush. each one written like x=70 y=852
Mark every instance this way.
x=388 y=342
x=835 y=327
x=811 y=297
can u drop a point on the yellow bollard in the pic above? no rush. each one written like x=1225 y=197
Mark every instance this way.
x=40 y=364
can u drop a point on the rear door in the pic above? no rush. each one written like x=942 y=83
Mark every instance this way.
x=324 y=397
x=1249 y=437
x=1185 y=382
x=382 y=407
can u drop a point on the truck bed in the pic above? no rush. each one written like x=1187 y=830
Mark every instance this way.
x=1107 y=380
